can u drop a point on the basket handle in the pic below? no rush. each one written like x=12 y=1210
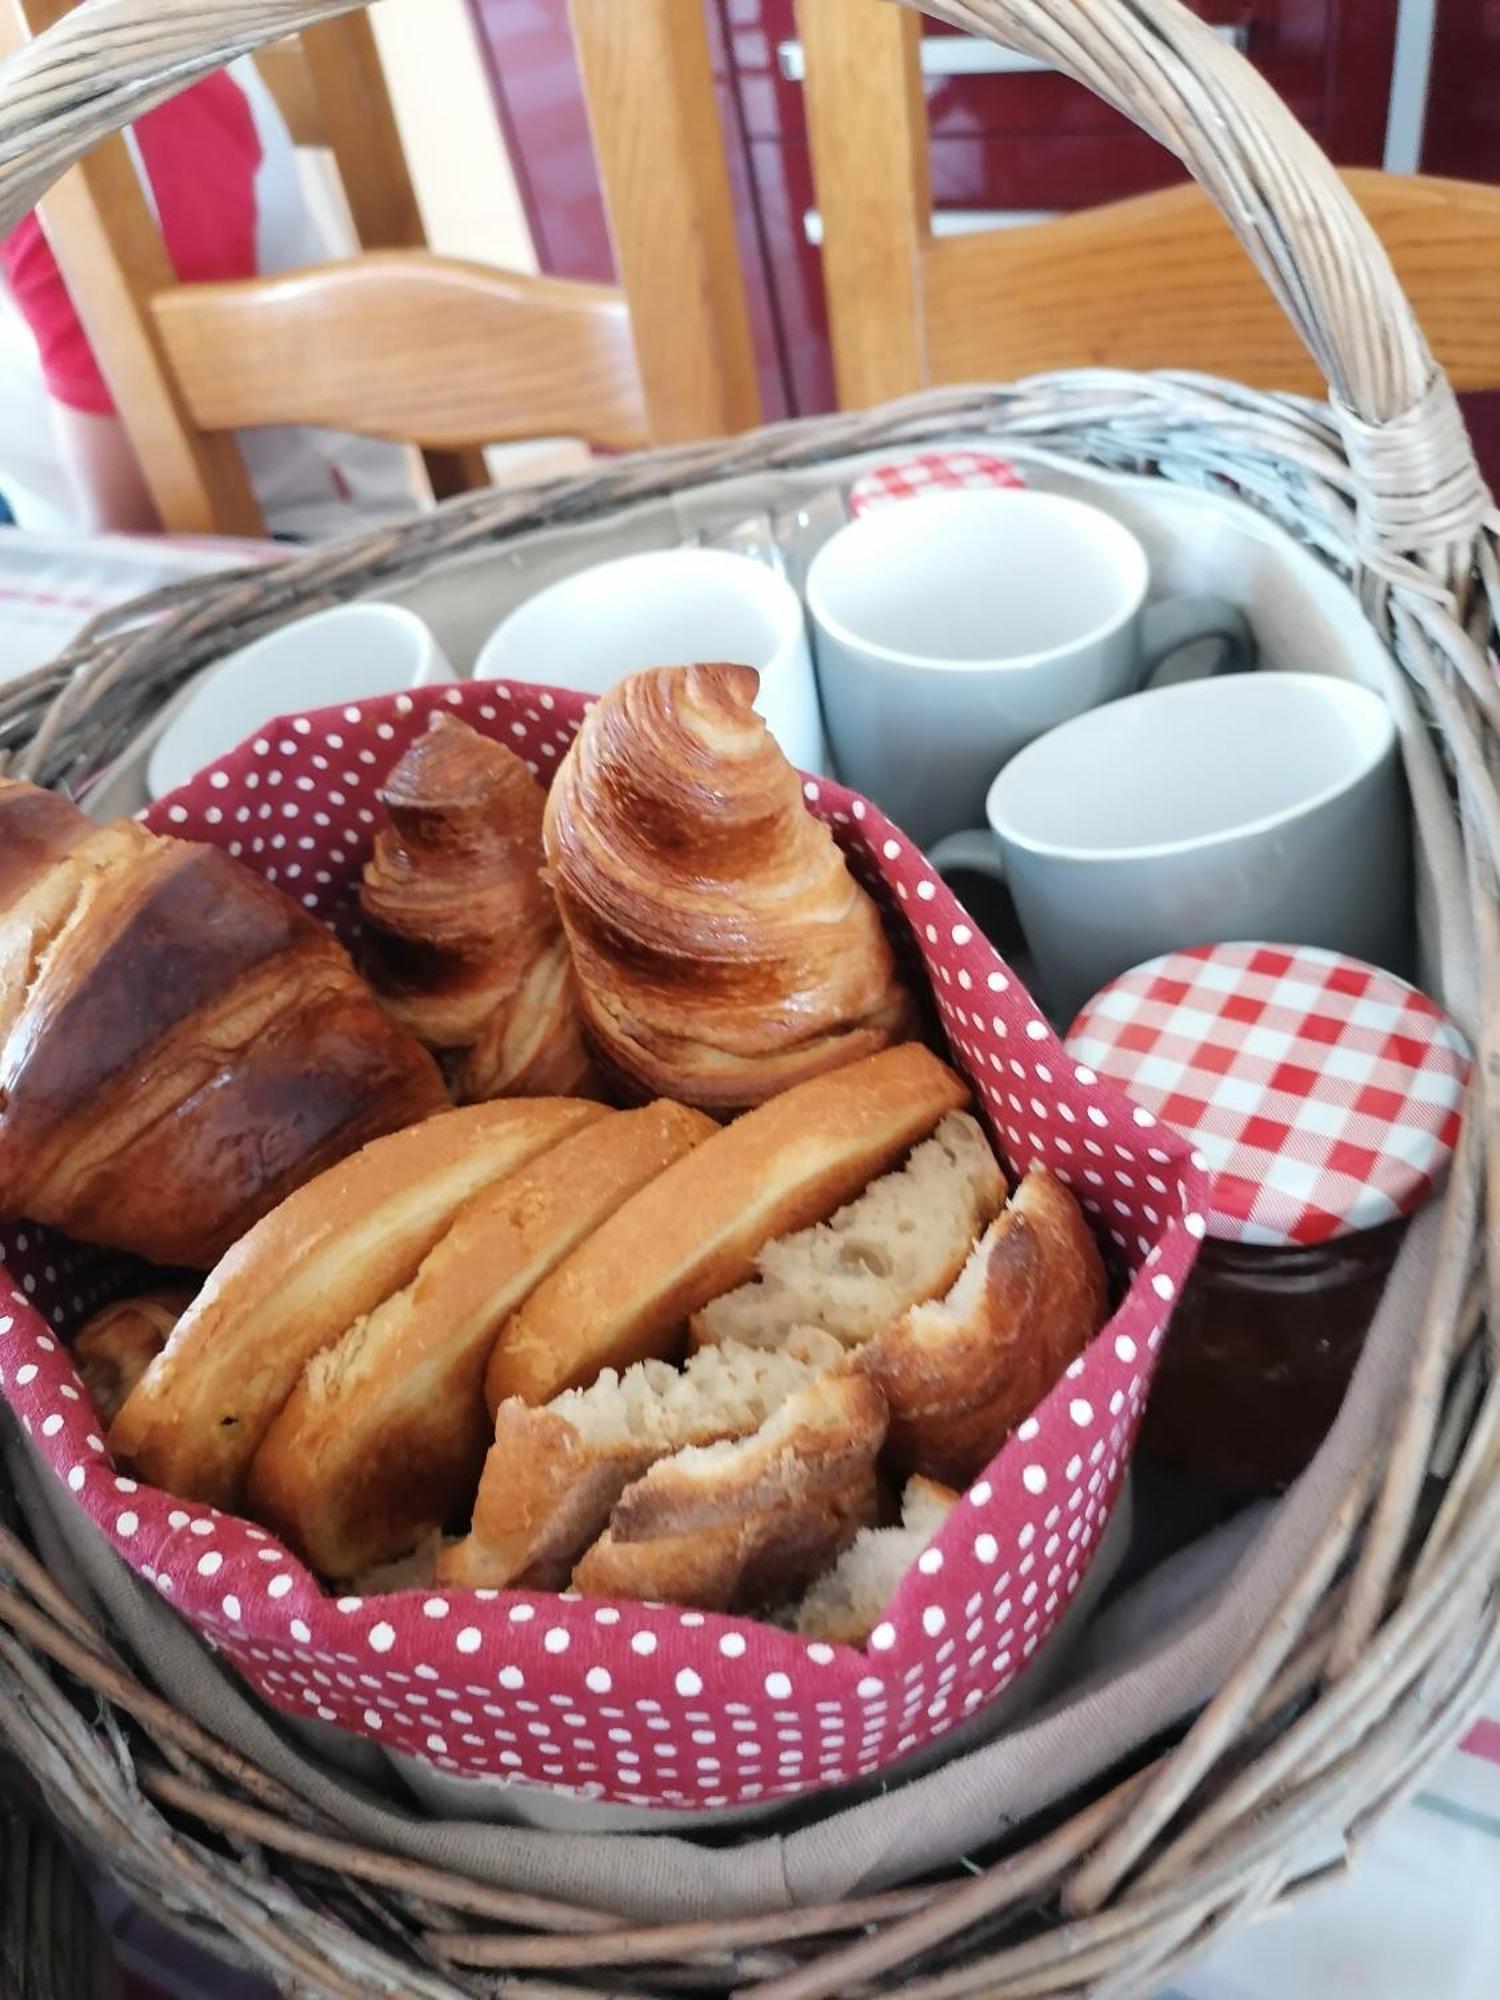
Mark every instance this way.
x=105 y=62
x=1417 y=482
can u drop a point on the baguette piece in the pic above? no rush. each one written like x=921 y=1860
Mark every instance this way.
x=961 y=1372
x=847 y=1602
x=114 y=1350
x=382 y=1440
x=553 y=1475
x=625 y=1295
x=738 y=1526
x=328 y=1253
x=905 y=1239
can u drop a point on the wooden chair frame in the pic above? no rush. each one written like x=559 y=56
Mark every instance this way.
x=398 y=342
x=1156 y=281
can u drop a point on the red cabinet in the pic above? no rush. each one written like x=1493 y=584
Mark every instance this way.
x=1009 y=140
x=1461 y=137
x=1463 y=106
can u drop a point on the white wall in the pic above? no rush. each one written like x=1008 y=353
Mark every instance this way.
x=456 y=153
x=450 y=133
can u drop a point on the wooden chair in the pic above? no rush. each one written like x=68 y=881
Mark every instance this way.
x=1153 y=282
x=397 y=342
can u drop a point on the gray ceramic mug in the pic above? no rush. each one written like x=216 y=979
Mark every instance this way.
x=955 y=628
x=1267 y=806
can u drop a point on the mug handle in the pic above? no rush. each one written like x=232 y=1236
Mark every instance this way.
x=976 y=850
x=1175 y=622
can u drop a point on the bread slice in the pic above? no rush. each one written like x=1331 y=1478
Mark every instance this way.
x=325 y=1255
x=417 y=1570
x=627 y=1293
x=846 y=1603
x=553 y=1475
x=383 y=1438
x=738 y=1526
x=114 y=1350
x=905 y=1239
x=959 y=1373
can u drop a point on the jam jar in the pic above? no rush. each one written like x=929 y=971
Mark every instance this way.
x=1325 y=1096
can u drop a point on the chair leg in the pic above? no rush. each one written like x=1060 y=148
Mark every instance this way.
x=453 y=472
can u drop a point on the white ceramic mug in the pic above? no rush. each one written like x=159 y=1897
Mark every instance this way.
x=1263 y=806
x=955 y=629
x=347 y=653
x=669 y=608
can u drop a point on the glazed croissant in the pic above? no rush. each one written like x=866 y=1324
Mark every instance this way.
x=180 y=1045
x=722 y=949
x=462 y=937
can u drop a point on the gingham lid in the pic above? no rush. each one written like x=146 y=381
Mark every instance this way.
x=1324 y=1094
x=928 y=472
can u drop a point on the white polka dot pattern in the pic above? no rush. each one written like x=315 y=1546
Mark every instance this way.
x=646 y=1705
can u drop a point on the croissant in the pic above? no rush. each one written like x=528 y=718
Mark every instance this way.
x=463 y=942
x=180 y=1045
x=722 y=949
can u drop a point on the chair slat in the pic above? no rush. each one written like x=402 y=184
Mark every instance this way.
x=503 y=355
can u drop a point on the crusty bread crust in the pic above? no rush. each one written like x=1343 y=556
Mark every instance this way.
x=847 y=1602
x=959 y=1374
x=114 y=1350
x=328 y=1253
x=743 y=1566
x=733 y=1527
x=382 y=1439
x=627 y=1292
x=542 y=1496
x=553 y=1475
x=902 y=1240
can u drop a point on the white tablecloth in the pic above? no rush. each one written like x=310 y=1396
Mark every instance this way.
x=1418 y=1919
x=52 y=585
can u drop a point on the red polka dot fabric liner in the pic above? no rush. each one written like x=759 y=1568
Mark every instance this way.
x=644 y=1705
x=928 y=472
x=1326 y=1095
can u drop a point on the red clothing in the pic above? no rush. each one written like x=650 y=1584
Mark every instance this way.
x=200 y=153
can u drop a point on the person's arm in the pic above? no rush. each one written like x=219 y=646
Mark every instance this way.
x=109 y=492
x=103 y=472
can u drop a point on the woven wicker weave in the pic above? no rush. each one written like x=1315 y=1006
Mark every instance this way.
x=1318 y=1728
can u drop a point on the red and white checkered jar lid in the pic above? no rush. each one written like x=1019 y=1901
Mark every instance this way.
x=928 y=472
x=1324 y=1094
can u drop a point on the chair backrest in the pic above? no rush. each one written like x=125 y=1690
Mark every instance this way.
x=400 y=343
x=1154 y=282
x=330 y=88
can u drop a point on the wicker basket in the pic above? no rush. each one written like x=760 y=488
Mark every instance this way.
x=1382 y=1647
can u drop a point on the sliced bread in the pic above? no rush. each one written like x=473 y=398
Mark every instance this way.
x=959 y=1373
x=738 y=1526
x=383 y=1438
x=847 y=1602
x=627 y=1292
x=553 y=1474
x=902 y=1241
